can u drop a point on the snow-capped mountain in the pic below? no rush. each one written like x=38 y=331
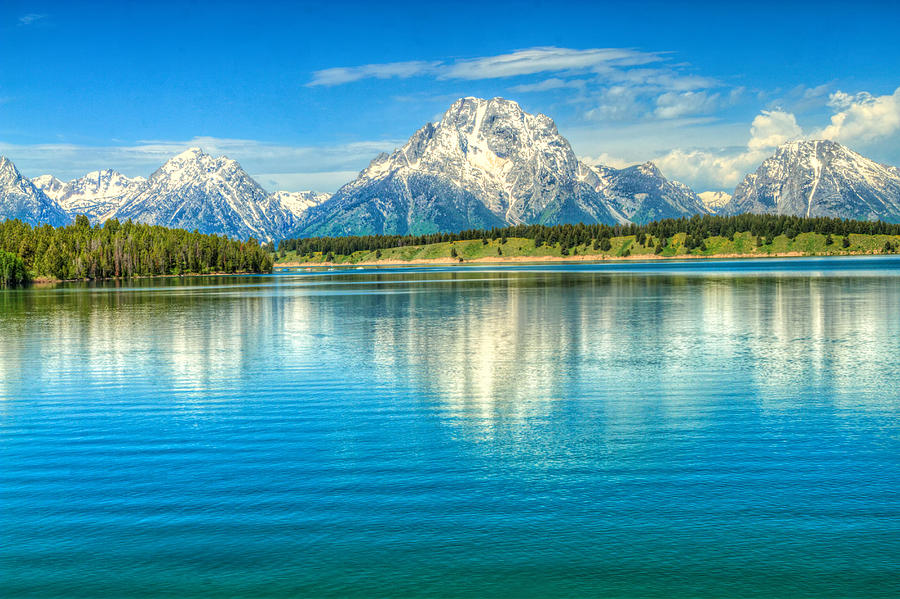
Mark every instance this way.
x=714 y=200
x=641 y=193
x=20 y=198
x=820 y=178
x=298 y=202
x=194 y=190
x=486 y=163
x=96 y=194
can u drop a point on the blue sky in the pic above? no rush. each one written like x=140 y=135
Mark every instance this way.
x=304 y=95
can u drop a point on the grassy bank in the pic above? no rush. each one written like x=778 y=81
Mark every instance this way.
x=625 y=247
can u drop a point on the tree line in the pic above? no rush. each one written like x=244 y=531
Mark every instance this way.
x=697 y=228
x=114 y=249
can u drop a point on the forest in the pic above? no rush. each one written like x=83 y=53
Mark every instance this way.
x=697 y=228
x=114 y=249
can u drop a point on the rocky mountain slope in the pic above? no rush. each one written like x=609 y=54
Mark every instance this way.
x=21 y=199
x=820 y=178
x=642 y=194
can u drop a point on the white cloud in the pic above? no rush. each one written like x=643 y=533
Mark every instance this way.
x=724 y=169
x=322 y=168
x=771 y=128
x=615 y=103
x=707 y=169
x=529 y=61
x=30 y=19
x=543 y=60
x=392 y=70
x=672 y=105
x=862 y=117
x=659 y=79
x=549 y=84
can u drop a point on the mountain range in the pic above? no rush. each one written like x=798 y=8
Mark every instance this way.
x=485 y=163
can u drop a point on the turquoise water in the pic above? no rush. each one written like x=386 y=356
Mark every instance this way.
x=714 y=429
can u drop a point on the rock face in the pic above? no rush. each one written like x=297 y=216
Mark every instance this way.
x=20 y=198
x=486 y=163
x=96 y=194
x=194 y=190
x=820 y=178
x=642 y=194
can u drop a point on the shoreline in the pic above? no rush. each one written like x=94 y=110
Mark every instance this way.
x=47 y=280
x=580 y=258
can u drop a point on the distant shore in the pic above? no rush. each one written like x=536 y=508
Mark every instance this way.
x=579 y=258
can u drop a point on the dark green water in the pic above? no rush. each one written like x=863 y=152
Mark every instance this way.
x=711 y=429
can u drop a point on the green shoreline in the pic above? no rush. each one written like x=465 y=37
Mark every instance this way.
x=517 y=250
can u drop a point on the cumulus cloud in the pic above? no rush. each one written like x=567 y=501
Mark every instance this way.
x=529 y=61
x=771 y=128
x=724 y=169
x=708 y=169
x=862 y=117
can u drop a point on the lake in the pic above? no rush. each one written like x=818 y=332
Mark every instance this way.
x=665 y=429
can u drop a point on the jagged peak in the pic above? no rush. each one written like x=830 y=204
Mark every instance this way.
x=808 y=146
x=469 y=112
x=7 y=164
x=648 y=168
x=46 y=180
x=196 y=162
x=191 y=153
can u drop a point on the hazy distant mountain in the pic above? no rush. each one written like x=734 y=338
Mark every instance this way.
x=820 y=178
x=96 y=194
x=194 y=190
x=299 y=202
x=714 y=200
x=20 y=198
x=642 y=194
